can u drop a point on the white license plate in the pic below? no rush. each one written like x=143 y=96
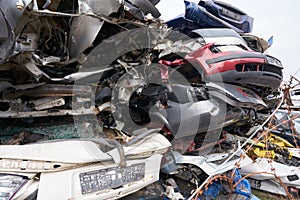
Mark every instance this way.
x=98 y=180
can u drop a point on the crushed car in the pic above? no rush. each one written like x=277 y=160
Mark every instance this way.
x=228 y=59
x=102 y=94
x=191 y=15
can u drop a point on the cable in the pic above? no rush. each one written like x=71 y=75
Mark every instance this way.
x=238 y=150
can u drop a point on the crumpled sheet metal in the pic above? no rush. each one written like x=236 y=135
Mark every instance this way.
x=6 y=48
x=267 y=169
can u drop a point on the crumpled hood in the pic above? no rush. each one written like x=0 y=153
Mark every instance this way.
x=79 y=152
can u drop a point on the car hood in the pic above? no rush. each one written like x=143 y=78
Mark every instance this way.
x=77 y=151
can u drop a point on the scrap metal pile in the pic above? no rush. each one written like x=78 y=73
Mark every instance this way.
x=108 y=99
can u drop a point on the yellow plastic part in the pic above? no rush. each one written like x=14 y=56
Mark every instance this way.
x=264 y=153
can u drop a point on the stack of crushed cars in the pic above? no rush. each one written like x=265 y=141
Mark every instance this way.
x=134 y=99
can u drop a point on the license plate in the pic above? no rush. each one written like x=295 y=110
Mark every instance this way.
x=273 y=61
x=231 y=14
x=98 y=180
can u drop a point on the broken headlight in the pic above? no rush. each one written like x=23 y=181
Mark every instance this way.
x=10 y=185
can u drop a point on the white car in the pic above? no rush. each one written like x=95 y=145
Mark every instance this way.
x=79 y=169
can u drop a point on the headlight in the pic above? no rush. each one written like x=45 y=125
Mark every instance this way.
x=10 y=185
x=273 y=61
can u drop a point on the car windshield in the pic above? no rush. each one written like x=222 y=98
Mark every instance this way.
x=228 y=47
x=220 y=36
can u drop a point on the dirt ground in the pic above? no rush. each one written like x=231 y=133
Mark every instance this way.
x=267 y=196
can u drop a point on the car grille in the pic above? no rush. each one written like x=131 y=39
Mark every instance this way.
x=258 y=67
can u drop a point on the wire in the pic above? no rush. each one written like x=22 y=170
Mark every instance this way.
x=234 y=153
x=297 y=72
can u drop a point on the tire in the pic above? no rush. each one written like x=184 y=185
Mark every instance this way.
x=146 y=6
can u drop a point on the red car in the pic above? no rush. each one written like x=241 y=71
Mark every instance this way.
x=237 y=64
x=225 y=57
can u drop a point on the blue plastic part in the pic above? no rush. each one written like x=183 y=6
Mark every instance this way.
x=244 y=185
x=211 y=15
x=243 y=188
x=213 y=191
x=270 y=41
x=201 y=18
